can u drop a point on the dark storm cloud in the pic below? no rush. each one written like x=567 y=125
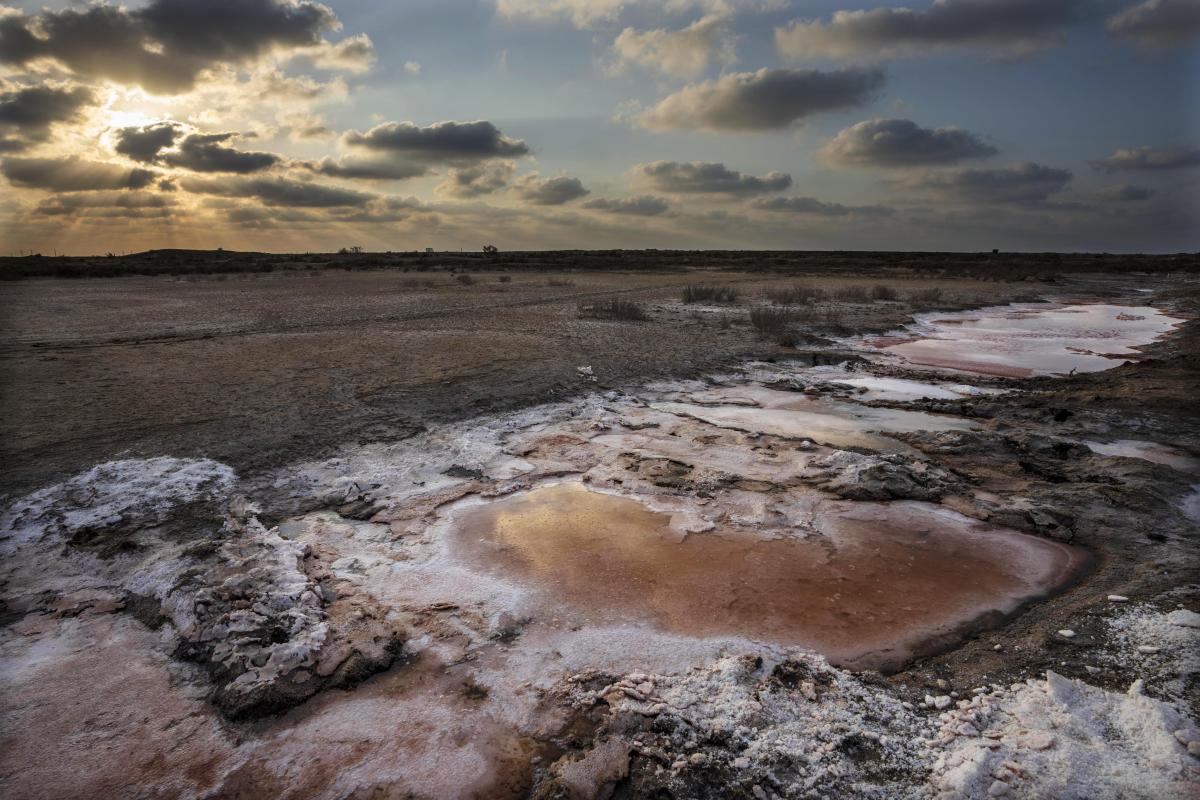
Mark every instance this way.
x=1022 y=183
x=446 y=142
x=164 y=45
x=1158 y=23
x=903 y=143
x=205 y=152
x=815 y=207
x=641 y=206
x=1005 y=27
x=145 y=142
x=698 y=177
x=1149 y=158
x=73 y=174
x=764 y=100
x=548 y=191
x=1123 y=193
x=368 y=169
x=28 y=113
x=278 y=191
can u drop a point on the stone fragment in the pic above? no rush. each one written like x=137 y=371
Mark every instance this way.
x=998 y=789
x=1067 y=633
x=1184 y=618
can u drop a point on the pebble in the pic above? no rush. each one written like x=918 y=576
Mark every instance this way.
x=998 y=789
x=1147 y=649
x=1118 y=598
x=1194 y=749
x=697 y=758
x=998 y=647
x=741 y=762
x=942 y=702
x=1067 y=633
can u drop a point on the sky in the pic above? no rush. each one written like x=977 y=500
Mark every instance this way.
x=292 y=126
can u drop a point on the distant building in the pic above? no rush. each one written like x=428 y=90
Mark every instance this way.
x=428 y=249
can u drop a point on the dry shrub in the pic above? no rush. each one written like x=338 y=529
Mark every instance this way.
x=883 y=292
x=560 y=282
x=852 y=294
x=708 y=293
x=465 y=279
x=932 y=295
x=771 y=322
x=616 y=308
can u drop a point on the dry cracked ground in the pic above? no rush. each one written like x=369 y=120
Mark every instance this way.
x=307 y=537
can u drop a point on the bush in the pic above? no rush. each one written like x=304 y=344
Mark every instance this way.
x=616 y=308
x=505 y=278
x=883 y=292
x=706 y=293
x=771 y=321
x=795 y=295
x=560 y=282
x=465 y=279
x=852 y=294
x=933 y=295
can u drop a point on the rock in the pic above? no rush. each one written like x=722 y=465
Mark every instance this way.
x=1039 y=740
x=998 y=789
x=741 y=762
x=942 y=702
x=1184 y=618
x=856 y=476
x=1118 y=598
x=1147 y=649
x=1193 y=748
x=1067 y=633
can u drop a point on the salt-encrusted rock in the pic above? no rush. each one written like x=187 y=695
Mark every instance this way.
x=1184 y=618
x=1118 y=598
x=1039 y=740
x=1067 y=633
x=998 y=789
x=942 y=702
x=856 y=476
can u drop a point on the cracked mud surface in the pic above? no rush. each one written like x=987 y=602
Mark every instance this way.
x=611 y=596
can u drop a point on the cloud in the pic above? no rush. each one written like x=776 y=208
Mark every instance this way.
x=588 y=13
x=1149 y=158
x=1123 y=193
x=641 y=206
x=134 y=204
x=810 y=205
x=145 y=142
x=902 y=143
x=684 y=53
x=164 y=45
x=1022 y=183
x=698 y=177
x=368 y=169
x=28 y=113
x=476 y=180
x=445 y=142
x=1158 y=23
x=764 y=100
x=278 y=191
x=204 y=152
x=198 y=152
x=1007 y=28
x=548 y=191
x=352 y=54
x=73 y=174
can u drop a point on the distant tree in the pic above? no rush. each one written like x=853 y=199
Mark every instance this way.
x=491 y=249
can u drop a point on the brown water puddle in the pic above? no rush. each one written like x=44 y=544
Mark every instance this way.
x=882 y=584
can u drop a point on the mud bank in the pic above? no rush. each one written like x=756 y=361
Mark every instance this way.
x=682 y=590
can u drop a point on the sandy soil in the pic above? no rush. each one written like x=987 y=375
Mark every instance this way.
x=258 y=370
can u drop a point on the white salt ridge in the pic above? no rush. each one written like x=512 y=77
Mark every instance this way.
x=139 y=491
x=1147 y=451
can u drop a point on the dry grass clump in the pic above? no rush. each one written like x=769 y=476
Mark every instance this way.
x=504 y=278
x=931 y=295
x=882 y=291
x=771 y=322
x=560 y=282
x=465 y=279
x=852 y=294
x=616 y=308
x=709 y=293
